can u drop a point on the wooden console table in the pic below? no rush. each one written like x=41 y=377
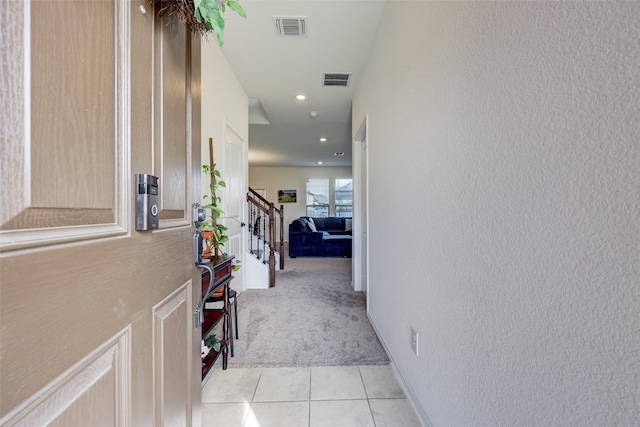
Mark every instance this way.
x=222 y=267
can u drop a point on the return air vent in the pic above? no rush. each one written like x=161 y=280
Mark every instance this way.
x=336 y=79
x=290 y=26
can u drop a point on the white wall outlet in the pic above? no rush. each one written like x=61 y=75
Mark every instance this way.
x=414 y=341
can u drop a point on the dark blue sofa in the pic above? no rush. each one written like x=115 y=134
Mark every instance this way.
x=328 y=237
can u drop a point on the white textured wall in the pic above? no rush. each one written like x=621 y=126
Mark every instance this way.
x=504 y=152
x=223 y=101
x=293 y=178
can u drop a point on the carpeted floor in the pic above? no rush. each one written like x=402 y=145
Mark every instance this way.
x=311 y=318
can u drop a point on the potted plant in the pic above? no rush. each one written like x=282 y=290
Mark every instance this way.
x=213 y=229
x=200 y=16
x=209 y=343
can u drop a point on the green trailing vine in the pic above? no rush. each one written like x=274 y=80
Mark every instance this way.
x=213 y=201
x=209 y=12
x=212 y=204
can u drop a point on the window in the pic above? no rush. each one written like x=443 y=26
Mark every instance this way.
x=320 y=197
x=344 y=197
x=317 y=197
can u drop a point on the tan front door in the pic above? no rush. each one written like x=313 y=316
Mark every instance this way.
x=96 y=318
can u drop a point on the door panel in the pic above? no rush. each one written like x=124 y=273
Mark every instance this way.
x=171 y=120
x=68 y=128
x=87 y=394
x=97 y=318
x=73 y=140
x=171 y=359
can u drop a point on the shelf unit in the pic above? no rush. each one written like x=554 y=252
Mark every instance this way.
x=222 y=268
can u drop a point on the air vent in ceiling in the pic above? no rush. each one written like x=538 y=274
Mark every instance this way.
x=290 y=26
x=336 y=79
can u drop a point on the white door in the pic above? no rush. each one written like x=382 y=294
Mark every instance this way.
x=235 y=200
x=97 y=318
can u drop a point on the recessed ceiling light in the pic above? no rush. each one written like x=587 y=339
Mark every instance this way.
x=323 y=139
x=313 y=114
x=301 y=97
x=319 y=163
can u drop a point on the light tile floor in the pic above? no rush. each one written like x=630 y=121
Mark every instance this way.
x=341 y=396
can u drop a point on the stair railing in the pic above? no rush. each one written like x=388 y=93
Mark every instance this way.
x=261 y=210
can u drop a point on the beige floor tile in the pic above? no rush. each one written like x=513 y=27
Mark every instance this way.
x=283 y=384
x=231 y=385
x=338 y=382
x=393 y=413
x=380 y=382
x=224 y=414
x=341 y=413
x=278 y=414
x=316 y=397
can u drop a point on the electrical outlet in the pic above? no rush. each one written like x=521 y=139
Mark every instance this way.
x=414 y=341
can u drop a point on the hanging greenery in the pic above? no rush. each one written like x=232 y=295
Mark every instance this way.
x=218 y=229
x=200 y=16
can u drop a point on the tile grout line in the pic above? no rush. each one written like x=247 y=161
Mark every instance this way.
x=366 y=393
x=255 y=390
x=309 y=403
x=245 y=418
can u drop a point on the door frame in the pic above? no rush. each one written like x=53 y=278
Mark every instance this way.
x=360 y=264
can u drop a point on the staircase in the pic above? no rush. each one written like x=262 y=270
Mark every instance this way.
x=266 y=254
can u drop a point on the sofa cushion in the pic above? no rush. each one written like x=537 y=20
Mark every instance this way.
x=328 y=236
x=299 y=225
x=319 y=223
x=311 y=225
x=333 y=223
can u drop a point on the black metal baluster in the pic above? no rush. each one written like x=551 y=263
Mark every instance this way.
x=251 y=215
x=264 y=240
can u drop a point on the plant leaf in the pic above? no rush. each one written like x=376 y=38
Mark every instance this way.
x=216 y=20
x=237 y=7
x=198 y=15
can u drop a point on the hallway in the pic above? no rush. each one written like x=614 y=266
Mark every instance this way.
x=288 y=388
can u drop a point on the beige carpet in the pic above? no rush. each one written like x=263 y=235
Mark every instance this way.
x=311 y=318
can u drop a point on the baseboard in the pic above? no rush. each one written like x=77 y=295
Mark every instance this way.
x=422 y=417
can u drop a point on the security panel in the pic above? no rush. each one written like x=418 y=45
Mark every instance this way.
x=146 y=202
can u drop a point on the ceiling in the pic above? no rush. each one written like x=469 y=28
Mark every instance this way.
x=274 y=69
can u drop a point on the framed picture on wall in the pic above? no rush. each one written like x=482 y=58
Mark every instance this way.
x=287 y=196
